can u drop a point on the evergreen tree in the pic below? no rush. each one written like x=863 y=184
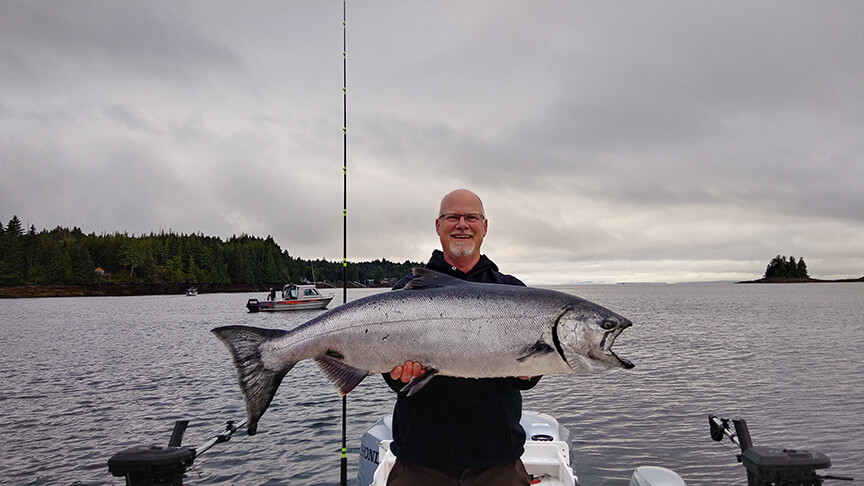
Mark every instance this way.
x=82 y=268
x=781 y=268
x=802 y=269
x=63 y=256
x=12 y=261
x=60 y=265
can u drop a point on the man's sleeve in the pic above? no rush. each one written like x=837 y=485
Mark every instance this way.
x=395 y=385
x=523 y=385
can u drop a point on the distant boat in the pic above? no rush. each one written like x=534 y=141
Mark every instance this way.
x=191 y=292
x=294 y=297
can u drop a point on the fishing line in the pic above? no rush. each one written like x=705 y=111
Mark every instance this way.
x=196 y=466
x=343 y=462
x=736 y=452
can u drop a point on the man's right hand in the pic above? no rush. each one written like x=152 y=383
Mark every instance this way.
x=407 y=371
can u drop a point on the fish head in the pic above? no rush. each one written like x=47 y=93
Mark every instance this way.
x=585 y=334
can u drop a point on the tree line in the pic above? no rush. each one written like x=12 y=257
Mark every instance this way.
x=781 y=268
x=65 y=256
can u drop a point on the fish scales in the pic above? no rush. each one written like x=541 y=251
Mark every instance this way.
x=378 y=334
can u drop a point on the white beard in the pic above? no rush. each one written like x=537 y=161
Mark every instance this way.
x=460 y=249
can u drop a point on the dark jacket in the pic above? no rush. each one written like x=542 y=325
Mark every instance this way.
x=455 y=423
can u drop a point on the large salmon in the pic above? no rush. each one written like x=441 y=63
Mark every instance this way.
x=452 y=327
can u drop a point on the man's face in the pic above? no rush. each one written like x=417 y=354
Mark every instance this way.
x=459 y=236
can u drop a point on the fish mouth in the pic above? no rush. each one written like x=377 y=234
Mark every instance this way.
x=609 y=340
x=623 y=362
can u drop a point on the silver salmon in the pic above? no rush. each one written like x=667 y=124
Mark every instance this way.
x=451 y=326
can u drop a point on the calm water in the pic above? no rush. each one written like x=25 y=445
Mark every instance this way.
x=87 y=377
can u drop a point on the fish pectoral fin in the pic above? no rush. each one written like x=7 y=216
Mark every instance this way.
x=416 y=384
x=344 y=376
x=537 y=349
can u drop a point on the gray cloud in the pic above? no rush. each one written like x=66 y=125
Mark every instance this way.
x=679 y=141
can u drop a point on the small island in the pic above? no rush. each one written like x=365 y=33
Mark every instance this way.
x=783 y=270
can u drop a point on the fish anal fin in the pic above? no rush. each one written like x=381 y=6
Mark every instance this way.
x=416 y=384
x=537 y=349
x=344 y=376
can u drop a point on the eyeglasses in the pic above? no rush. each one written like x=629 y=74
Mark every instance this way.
x=470 y=218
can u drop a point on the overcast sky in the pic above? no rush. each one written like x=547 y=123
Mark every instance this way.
x=610 y=141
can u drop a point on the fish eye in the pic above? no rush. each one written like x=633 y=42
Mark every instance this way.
x=607 y=324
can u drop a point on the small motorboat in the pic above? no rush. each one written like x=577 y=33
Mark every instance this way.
x=294 y=297
x=191 y=292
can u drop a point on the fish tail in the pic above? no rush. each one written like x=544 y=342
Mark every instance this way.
x=257 y=382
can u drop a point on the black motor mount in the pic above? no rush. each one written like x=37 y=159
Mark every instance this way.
x=152 y=465
x=771 y=466
x=164 y=466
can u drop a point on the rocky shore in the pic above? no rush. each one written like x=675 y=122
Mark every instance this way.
x=114 y=289
x=121 y=289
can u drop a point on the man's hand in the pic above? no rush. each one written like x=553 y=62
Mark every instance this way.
x=407 y=371
x=412 y=369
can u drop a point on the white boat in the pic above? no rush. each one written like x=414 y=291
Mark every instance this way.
x=294 y=297
x=191 y=292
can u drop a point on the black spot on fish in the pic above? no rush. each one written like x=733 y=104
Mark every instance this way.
x=334 y=354
x=385 y=337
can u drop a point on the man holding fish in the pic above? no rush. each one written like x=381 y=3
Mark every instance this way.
x=464 y=335
x=459 y=430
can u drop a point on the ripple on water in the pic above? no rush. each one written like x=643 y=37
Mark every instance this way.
x=786 y=358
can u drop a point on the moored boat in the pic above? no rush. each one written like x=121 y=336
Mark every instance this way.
x=294 y=297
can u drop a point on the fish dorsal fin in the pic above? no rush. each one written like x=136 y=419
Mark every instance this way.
x=427 y=279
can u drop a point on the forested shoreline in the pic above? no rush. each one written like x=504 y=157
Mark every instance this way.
x=99 y=264
x=68 y=262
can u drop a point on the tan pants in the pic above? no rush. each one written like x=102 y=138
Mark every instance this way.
x=407 y=474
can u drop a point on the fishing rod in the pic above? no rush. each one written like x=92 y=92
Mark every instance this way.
x=343 y=461
x=151 y=465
